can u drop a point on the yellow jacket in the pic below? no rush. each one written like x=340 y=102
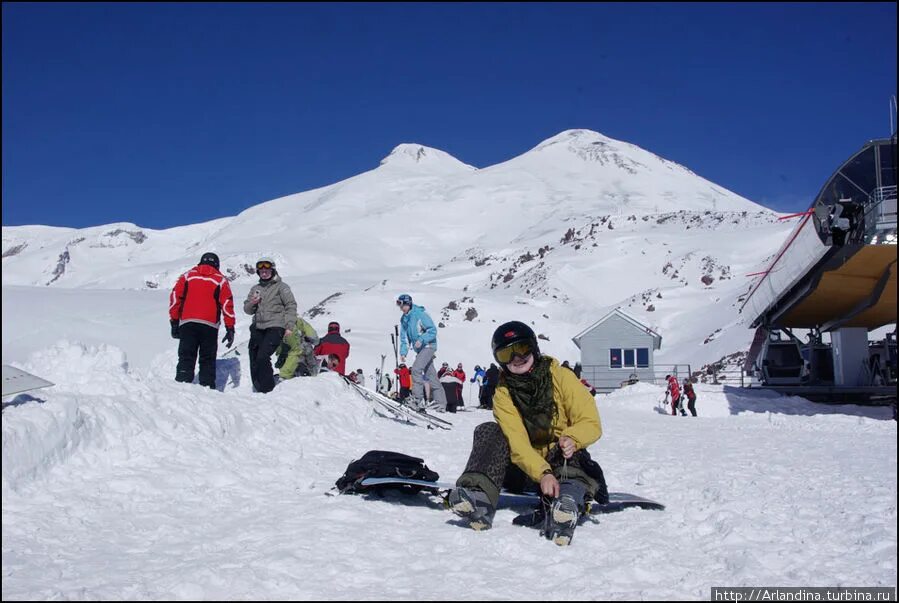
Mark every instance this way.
x=577 y=418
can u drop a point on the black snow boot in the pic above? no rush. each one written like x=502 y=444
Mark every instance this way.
x=473 y=505
x=564 y=513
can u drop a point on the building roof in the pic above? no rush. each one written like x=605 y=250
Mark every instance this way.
x=656 y=338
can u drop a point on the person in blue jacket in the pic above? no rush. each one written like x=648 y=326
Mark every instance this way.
x=478 y=378
x=418 y=331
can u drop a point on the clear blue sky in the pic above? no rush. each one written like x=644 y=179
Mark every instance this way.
x=171 y=114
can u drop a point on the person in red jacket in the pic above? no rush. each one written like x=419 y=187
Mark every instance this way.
x=459 y=373
x=586 y=383
x=691 y=396
x=200 y=300
x=674 y=391
x=404 y=378
x=334 y=343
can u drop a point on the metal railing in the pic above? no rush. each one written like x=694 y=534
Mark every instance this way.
x=880 y=210
x=599 y=376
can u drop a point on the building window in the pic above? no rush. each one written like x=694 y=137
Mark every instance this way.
x=615 y=358
x=642 y=357
x=629 y=358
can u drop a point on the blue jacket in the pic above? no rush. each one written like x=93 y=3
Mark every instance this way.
x=478 y=373
x=417 y=326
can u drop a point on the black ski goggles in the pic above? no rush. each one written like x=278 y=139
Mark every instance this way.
x=263 y=266
x=506 y=354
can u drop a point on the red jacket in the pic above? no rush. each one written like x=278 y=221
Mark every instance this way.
x=333 y=343
x=688 y=391
x=405 y=377
x=674 y=388
x=460 y=375
x=203 y=295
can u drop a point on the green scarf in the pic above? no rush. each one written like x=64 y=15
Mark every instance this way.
x=532 y=395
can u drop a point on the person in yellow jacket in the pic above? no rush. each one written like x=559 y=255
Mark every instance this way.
x=545 y=420
x=297 y=348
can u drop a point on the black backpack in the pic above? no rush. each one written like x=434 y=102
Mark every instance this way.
x=381 y=463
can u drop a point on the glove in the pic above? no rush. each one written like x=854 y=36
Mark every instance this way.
x=229 y=336
x=174 y=324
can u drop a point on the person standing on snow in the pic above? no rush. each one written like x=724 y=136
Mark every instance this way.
x=459 y=373
x=450 y=384
x=545 y=420
x=404 y=378
x=674 y=391
x=418 y=330
x=200 y=299
x=691 y=396
x=491 y=378
x=274 y=310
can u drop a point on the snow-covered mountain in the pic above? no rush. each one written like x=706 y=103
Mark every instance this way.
x=559 y=235
x=119 y=483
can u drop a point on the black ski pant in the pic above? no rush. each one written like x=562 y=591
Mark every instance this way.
x=691 y=406
x=486 y=398
x=449 y=389
x=263 y=343
x=490 y=467
x=197 y=339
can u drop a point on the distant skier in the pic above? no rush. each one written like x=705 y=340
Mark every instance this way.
x=545 y=420
x=450 y=384
x=404 y=378
x=673 y=390
x=691 y=396
x=200 y=299
x=360 y=377
x=334 y=343
x=418 y=331
x=491 y=378
x=459 y=373
x=274 y=311
x=385 y=384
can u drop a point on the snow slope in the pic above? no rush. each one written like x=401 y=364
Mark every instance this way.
x=119 y=485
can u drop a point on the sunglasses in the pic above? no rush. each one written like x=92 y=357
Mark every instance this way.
x=506 y=354
x=400 y=303
x=263 y=265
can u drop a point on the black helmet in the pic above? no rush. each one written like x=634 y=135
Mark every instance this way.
x=210 y=259
x=511 y=333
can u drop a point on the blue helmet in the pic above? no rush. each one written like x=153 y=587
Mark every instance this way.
x=404 y=300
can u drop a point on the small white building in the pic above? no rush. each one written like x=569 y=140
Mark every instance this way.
x=616 y=348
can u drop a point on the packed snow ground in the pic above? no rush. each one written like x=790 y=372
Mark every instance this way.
x=119 y=483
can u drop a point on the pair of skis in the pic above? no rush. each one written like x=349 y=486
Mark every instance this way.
x=399 y=411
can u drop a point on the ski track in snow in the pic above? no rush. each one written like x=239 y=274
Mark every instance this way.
x=121 y=485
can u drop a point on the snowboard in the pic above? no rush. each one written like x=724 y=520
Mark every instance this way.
x=16 y=381
x=618 y=501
